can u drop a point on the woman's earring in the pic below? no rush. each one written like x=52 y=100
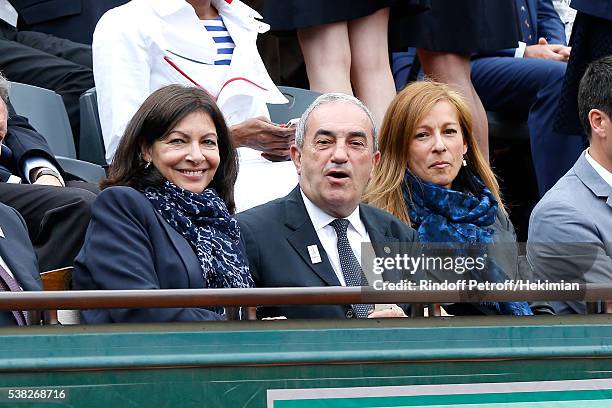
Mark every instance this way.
x=464 y=162
x=149 y=163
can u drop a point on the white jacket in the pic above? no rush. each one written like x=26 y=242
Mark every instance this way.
x=134 y=49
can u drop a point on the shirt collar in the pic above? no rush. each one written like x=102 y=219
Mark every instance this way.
x=605 y=174
x=320 y=219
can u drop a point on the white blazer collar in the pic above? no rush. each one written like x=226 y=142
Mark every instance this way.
x=167 y=7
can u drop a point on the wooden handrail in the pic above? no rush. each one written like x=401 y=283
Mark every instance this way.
x=105 y=299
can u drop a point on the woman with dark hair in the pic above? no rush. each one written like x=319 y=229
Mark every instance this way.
x=433 y=176
x=163 y=220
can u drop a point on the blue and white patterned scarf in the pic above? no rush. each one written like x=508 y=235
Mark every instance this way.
x=446 y=215
x=203 y=220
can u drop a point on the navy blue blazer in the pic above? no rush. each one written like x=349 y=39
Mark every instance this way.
x=128 y=245
x=597 y=8
x=71 y=19
x=21 y=142
x=276 y=236
x=17 y=252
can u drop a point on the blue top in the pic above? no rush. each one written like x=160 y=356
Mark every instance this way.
x=223 y=40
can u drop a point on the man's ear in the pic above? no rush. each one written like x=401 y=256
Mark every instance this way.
x=296 y=157
x=376 y=158
x=375 y=162
x=598 y=121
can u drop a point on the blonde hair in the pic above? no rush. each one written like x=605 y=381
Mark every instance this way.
x=385 y=190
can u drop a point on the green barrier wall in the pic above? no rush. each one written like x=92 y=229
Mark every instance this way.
x=469 y=362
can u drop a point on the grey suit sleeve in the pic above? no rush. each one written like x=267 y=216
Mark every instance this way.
x=564 y=243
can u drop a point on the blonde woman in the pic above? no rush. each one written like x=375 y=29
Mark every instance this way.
x=433 y=176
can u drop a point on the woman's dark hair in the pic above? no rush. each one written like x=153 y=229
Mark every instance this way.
x=155 y=118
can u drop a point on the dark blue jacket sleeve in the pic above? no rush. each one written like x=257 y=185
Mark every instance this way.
x=550 y=25
x=119 y=254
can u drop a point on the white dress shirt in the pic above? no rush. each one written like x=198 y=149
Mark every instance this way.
x=356 y=233
x=8 y=13
x=605 y=174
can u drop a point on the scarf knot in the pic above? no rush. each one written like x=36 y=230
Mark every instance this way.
x=206 y=224
x=444 y=215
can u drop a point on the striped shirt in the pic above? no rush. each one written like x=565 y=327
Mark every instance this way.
x=223 y=41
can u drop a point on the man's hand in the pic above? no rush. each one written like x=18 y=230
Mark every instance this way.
x=49 y=178
x=394 y=311
x=544 y=50
x=48 y=181
x=260 y=134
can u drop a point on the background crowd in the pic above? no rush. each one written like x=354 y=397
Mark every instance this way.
x=204 y=190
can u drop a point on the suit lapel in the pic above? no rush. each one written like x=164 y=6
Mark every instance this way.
x=301 y=234
x=184 y=251
x=5 y=251
x=378 y=231
x=19 y=260
x=590 y=178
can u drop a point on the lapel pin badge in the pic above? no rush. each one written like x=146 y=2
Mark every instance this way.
x=313 y=251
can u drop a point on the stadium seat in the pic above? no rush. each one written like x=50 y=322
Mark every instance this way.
x=91 y=143
x=82 y=170
x=299 y=100
x=46 y=112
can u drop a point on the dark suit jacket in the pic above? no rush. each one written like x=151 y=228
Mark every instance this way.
x=128 y=245
x=71 y=19
x=20 y=143
x=546 y=22
x=17 y=252
x=276 y=236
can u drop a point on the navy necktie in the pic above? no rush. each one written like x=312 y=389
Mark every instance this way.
x=351 y=269
x=9 y=284
x=524 y=20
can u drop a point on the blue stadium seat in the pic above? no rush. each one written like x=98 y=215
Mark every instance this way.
x=82 y=170
x=46 y=112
